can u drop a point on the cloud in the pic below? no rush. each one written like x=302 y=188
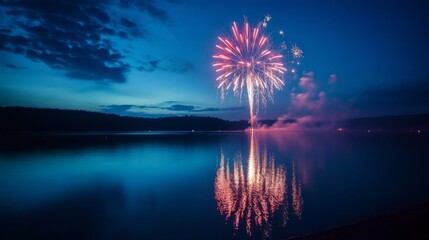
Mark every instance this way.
x=307 y=98
x=76 y=37
x=65 y=35
x=13 y=66
x=180 y=107
x=178 y=66
x=128 y=23
x=151 y=63
x=167 y=108
x=115 y=108
x=132 y=29
x=211 y=109
x=286 y=123
x=176 y=2
x=310 y=106
x=149 y=7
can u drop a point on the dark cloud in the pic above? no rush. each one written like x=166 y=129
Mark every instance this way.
x=179 y=107
x=5 y=31
x=155 y=12
x=128 y=23
x=176 y=2
x=310 y=106
x=150 y=7
x=151 y=63
x=152 y=10
x=74 y=36
x=195 y=109
x=115 y=108
x=172 y=107
x=67 y=35
x=220 y=109
x=13 y=66
x=99 y=14
x=132 y=28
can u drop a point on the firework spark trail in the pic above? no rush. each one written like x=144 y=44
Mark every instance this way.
x=246 y=60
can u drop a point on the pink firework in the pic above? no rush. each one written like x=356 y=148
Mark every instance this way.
x=246 y=60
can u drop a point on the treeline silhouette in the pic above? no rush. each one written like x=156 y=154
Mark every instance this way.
x=14 y=119
x=390 y=123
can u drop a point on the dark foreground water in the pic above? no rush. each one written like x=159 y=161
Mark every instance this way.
x=205 y=185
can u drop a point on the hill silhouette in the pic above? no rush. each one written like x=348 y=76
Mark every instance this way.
x=23 y=119
x=36 y=119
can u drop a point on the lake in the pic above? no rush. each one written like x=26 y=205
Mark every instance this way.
x=205 y=185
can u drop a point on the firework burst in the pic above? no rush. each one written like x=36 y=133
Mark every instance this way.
x=246 y=60
x=296 y=52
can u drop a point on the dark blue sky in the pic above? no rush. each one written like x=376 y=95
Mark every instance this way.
x=153 y=57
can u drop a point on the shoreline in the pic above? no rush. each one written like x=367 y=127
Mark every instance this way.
x=408 y=224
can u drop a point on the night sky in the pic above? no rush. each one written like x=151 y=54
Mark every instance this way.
x=153 y=58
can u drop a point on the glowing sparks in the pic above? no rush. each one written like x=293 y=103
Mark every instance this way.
x=246 y=61
x=267 y=18
x=281 y=32
x=296 y=52
x=283 y=46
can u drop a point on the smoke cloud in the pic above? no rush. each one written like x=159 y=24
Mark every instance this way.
x=311 y=107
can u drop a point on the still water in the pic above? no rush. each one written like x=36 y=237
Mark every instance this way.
x=227 y=185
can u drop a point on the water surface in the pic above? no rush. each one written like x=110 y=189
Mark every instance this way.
x=226 y=185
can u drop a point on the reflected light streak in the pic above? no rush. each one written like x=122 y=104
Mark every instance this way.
x=250 y=195
x=297 y=202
